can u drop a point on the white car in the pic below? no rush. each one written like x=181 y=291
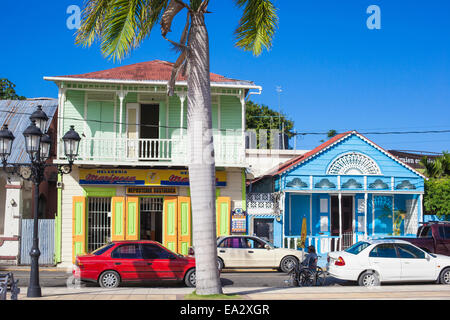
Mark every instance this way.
x=253 y=252
x=374 y=261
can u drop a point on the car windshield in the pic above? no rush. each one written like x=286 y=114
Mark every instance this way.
x=102 y=249
x=357 y=247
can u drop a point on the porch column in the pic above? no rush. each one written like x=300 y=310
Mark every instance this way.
x=182 y=96
x=365 y=214
x=340 y=221
x=121 y=94
x=243 y=124
x=61 y=101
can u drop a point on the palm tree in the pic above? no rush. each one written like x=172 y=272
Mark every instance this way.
x=121 y=25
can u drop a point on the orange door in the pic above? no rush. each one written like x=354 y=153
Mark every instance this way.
x=184 y=224
x=171 y=223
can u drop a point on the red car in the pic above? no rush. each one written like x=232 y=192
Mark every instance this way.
x=122 y=261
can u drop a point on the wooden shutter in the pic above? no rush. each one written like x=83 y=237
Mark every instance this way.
x=223 y=212
x=132 y=219
x=171 y=223
x=118 y=219
x=78 y=227
x=184 y=224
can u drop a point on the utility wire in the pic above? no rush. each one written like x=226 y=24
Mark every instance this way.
x=178 y=127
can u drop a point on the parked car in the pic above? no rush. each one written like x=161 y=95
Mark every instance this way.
x=375 y=261
x=253 y=252
x=433 y=237
x=134 y=261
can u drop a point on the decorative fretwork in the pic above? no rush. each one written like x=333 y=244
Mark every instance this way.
x=263 y=203
x=354 y=164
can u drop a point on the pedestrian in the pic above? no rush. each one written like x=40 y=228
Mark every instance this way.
x=310 y=260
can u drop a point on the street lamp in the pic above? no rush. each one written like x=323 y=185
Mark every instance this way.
x=37 y=144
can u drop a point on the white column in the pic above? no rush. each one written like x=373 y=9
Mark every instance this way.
x=182 y=96
x=61 y=101
x=420 y=216
x=340 y=221
x=121 y=94
x=243 y=125
x=365 y=214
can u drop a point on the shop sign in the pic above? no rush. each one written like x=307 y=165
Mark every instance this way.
x=238 y=221
x=149 y=191
x=142 y=177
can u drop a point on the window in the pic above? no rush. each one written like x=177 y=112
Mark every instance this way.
x=357 y=247
x=426 y=232
x=151 y=251
x=103 y=249
x=232 y=242
x=407 y=251
x=444 y=232
x=385 y=250
x=253 y=243
x=127 y=251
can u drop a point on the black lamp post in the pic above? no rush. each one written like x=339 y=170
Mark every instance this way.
x=38 y=145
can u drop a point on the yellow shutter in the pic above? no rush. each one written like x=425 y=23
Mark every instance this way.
x=223 y=212
x=78 y=227
x=132 y=219
x=184 y=224
x=118 y=220
x=171 y=223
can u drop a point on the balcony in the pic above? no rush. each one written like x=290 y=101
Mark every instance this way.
x=229 y=151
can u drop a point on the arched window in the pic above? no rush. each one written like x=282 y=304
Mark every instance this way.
x=353 y=164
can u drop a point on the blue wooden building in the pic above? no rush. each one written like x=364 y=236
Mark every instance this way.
x=345 y=190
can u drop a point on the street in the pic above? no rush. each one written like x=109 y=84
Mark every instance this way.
x=229 y=279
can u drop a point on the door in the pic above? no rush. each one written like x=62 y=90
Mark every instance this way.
x=171 y=223
x=127 y=260
x=347 y=219
x=415 y=265
x=149 y=129
x=160 y=263
x=151 y=212
x=132 y=130
x=384 y=259
x=263 y=228
x=184 y=224
x=233 y=252
x=256 y=255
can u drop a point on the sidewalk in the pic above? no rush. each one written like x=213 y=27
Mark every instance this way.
x=409 y=292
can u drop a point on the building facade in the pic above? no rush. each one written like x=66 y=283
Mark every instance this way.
x=16 y=194
x=345 y=190
x=130 y=180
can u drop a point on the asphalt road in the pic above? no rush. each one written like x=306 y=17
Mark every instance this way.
x=229 y=279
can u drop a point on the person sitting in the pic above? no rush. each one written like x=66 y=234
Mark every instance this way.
x=310 y=260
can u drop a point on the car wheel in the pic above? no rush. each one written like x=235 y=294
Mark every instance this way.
x=220 y=264
x=190 y=278
x=444 y=278
x=288 y=263
x=369 y=279
x=109 y=279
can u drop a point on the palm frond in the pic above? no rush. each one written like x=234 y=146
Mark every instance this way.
x=257 y=25
x=120 y=25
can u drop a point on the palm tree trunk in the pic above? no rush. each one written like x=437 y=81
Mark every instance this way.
x=201 y=162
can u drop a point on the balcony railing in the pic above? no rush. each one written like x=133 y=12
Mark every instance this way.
x=229 y=150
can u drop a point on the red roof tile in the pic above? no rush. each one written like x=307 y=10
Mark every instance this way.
x=155 y=70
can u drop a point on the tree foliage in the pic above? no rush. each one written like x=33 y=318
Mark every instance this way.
x=7 y=91
x=261 y=117
x=437 y=187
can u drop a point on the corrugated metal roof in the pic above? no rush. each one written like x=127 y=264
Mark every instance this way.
x=16 y=114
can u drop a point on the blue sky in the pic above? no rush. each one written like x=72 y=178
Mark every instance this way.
x=335 y=73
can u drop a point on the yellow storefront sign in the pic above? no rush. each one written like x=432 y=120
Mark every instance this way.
x=142 y=177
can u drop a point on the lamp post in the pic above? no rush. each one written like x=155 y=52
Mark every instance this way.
x=37 y=145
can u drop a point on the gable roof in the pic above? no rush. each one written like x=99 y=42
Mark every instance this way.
x=296 y=161
x=16 y=114
x=145 y=72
